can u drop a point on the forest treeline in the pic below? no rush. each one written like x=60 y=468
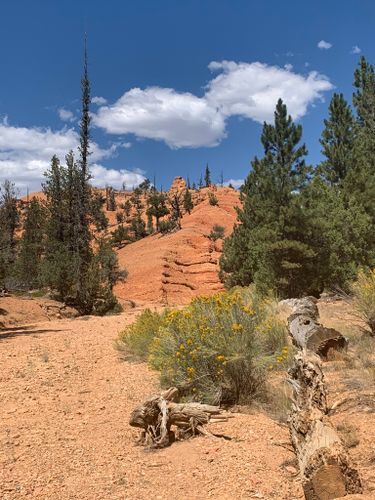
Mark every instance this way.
x=301 y=228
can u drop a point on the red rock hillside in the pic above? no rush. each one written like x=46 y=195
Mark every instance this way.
x=173 y=268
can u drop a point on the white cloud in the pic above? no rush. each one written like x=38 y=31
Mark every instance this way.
x=252 y=90
x=181 y=119
x=66 y=115
x=109 y=176
x=355 y=50
x=324 y=45
x=100 y=101
x=25 y=154
x=236 y=183
x=288 y=66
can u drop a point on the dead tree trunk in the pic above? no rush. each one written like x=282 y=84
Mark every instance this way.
x=323 y=461
x=163 y=419
x=308 y=333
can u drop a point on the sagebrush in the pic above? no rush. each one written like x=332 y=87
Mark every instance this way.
x=218 y=349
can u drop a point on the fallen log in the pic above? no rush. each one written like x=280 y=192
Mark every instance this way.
x=308 y=333
x=158 y=414
x=324 y=464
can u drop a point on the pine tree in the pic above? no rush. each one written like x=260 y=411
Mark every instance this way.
x=110 y=199
x=207 y=177
x=29 y=261
x=175 y=202
x=59 y=270
x=267 y=246
x=127 y=207
x=119 y=236
x=361 y=181
x=98 y=216
x=364 y=96
x=157 y=206
x=9 y=220
x=337 y=141
x=188 y=201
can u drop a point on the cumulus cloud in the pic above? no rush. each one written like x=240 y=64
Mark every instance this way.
x=355 y=50
x=99 y=100
x=324 y=45
x=66 y=115
x=25 y=154
x=252 y=90
x=116 y=178
x=288 y=66
x=181 y=119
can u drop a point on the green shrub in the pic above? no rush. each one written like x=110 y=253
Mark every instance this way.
x=212 y=199
x=135 y=340
x=217 y=350
x=363 y=290
x=168 y=226
x=217 y=232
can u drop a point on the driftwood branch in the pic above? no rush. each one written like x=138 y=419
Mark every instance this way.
x=308 y=333
x=163 y=420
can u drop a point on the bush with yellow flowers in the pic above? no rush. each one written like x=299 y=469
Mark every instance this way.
x=363 y=291
x=135 y=340
x=218 y=349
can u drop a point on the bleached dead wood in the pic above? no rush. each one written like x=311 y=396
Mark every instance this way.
x=324 y=464
x=162 y=419
x=308 y=333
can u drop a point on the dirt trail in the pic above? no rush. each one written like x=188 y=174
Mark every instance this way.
x=65 y=399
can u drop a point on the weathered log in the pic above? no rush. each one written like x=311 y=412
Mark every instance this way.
x=308 y=333
x=324 y=464
x=159 y=413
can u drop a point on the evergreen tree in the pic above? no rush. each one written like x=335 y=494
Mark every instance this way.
x=176 y=213
x=268 y=246
x=60 y=263
x=145 y=186
x=207 y=177
x=188 y=201
x=111 y=200
x=127 y=206
x=364 y=96
x=337 y=141
x=119 y=217
x=98 y=216
x=29 y=261
x=360 y=183
x=157 y=206
x=150 y=224
x=9 y=220
x=119 y=235
x=138 y=227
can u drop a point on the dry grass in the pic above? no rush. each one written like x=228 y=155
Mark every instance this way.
x=348 y=434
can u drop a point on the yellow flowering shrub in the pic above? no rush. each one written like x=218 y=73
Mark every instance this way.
x=135 y=340
x=363 y=290
x=218 y=349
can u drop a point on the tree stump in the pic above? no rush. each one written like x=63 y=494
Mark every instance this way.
x=323 y=461
x=308 y=333
x=158 y=414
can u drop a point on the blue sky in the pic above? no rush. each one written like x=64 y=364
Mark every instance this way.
x=178 y=83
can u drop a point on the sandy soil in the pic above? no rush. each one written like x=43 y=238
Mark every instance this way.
x=65 y=399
